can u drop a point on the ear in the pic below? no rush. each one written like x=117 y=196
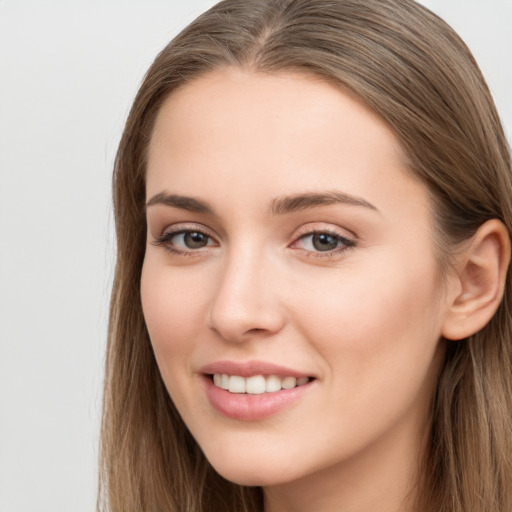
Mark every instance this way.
x=480 y=281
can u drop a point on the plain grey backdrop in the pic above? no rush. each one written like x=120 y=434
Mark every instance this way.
x=69 y=70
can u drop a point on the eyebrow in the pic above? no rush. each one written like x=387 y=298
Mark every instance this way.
x=279 y=206
x=190 y=204
x=299 y=202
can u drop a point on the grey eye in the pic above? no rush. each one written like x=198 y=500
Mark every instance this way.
x=325 y=241
x=194 y=239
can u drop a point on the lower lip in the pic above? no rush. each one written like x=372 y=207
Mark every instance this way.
x=247 y=407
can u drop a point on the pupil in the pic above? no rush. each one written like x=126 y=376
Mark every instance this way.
x=325 y=242
x=195 y=240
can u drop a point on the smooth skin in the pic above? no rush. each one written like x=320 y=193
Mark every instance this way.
x=348 y=291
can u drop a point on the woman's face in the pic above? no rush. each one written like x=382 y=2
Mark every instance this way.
x=288 y=245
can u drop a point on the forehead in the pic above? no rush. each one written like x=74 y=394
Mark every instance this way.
x=276 y=134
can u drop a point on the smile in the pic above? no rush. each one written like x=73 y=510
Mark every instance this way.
x=256 y=384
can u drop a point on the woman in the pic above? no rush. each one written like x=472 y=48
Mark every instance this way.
x=311 y=308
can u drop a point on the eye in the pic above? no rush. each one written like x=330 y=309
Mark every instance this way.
x=184 y=241
x=323 y=242
x=190 y=239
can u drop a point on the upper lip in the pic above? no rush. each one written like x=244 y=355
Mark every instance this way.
x=250 y=368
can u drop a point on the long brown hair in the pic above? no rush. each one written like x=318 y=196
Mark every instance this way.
x=408 y=66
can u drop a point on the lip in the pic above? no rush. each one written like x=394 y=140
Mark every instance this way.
x=250 y=368
x=247 y=407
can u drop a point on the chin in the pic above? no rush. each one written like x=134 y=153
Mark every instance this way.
x=253 y=475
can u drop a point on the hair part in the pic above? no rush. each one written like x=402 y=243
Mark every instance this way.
x=408 y=66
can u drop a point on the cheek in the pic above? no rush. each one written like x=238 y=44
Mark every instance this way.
x=375 y=324
x=172 y=310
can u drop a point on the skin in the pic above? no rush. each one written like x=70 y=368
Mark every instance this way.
x=364 y=320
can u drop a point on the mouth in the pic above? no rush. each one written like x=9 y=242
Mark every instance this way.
x=254 y=390
x=256 y=384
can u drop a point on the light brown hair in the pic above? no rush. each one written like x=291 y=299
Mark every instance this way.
x=409 y=67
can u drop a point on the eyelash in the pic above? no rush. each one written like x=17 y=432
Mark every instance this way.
x=344 y=242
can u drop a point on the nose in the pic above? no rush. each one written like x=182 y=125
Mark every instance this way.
x=246 y=300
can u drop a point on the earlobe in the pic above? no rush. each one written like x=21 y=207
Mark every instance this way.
x=481 y=276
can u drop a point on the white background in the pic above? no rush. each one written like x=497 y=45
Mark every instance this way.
x=69 y=70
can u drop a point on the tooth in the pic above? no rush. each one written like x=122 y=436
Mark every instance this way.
x=236 y=384
x=224 y=381
x=288 y=382
x=272 y=384
x=255 y=385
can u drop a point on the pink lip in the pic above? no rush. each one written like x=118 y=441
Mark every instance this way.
x=246 y=407
x=249 y=368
